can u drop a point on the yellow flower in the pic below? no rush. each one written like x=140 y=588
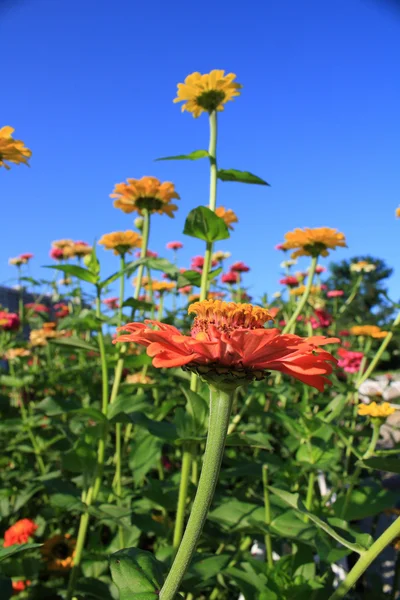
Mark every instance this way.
x=13 y=353
x=313 y=242
x=146 y=193
x=227 y=215
x=39 y=337
x=61 y=244
x=299 y=291
x=161 y=286
x=59 y=552
x=208 y=92
x=368 y=330
x=17 y=261
x=376 y=410
x=139 y=378
x=220 y=255
x=121 y=241
x=362 y=266
x=398 y=212
x=12 y=151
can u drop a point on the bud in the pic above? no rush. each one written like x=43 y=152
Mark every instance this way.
x=138 y=223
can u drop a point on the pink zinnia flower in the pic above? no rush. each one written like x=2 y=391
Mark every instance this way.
x=322 y=318
x=289 y=281
x=149 y=254
x=334 y=293
x=230 y=277
x=9 y=321
x=111 y=302
x=56 y=253
x=320 y=269
x=36 y=307
x=279 y=247
x=174 y=245
x=240 y=267
x=350 y=361
x=27 y=256
x=197 y=263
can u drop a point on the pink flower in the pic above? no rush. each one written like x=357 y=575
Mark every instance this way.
x=111 y=303
x=197 y=263
x=323 y=286
x=344 y=333
x=322 y=319
x=186 y=289
x=240 y=267
x=9 y=321
x=61 y=309
x=57 y=253
x=174 y=245
x=36 y=307
x=320 y=269
x=279 y=247
x=289 y=281
x=350 y=361
x=149 y=254
x=25 y=257
x=334 y=293
x=230 y=277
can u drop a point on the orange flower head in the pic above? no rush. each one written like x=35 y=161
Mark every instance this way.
x=369 y=331
x=82 y=249
x=13 y=353
x=146 y=193
x=373 y=409
x=19 y=533
x=398 y=212
x=139 y=378
x=313 y=242
x=299 y=291
x=121 y=242
x=161 y=286
x=208 y=92
x=229 y=345
x=11 y=150
x=227 y=215
x=59 y=552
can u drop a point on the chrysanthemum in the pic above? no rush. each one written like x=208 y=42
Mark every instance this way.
x=368 y=330
x=146 y=193
x=229 y=342
x=313 y=242
x=112 y=303
x=11 y=150
x=59 y=552
x=376 y=410
x=121 y=241
x=227 y=215
x=362 y=266
x=19 y=533
x=208 y=92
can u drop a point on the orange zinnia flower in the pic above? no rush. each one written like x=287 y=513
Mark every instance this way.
x=313 y=242
x=368 y=330
x=121 y=241
x=12 y=150
x=227 y=215
x=229 y=344
x=146 y=193
x=19 y=533
x=207 y=92
x=59 y=552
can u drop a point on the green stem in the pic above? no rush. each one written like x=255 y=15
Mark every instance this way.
x=380 y=351
x=237 y=418
x=160 y=307
x=353 y=294
x=366 y=558
x=32 y=437
x=396 y=578
x=182 y=498
x=220 y=410
x=310 y=491
x=143 y=253
x=212 y=151
x=303 y=299
x=267 y=505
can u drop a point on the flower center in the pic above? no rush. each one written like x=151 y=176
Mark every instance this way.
x=227 y=316
x=152 y=204
x=210 y=100
x=61 y=551
x=315 y=249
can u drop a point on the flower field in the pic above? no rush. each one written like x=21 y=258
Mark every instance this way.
x=165 y=435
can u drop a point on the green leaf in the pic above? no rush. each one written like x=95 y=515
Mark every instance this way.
x=92 y=588
x=366 y=502
x=294 y=501
x=137 y=574
x=250 y=439
x=124 y=405
x=190 y=277
x=67 y=502
x=15 y=549
x=76 y=271
x=389 y=465
x=195 y=155
x=138 y=304
x=160 y=429
x=73 y=342
x=145 y=454
x=205 y=567
x=204 y=224
x=240 y=176
x=92 y=262
x=197 y=411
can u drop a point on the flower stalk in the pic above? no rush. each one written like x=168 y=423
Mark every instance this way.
x=291 y=324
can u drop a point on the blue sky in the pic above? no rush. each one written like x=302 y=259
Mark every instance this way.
x=89 y=87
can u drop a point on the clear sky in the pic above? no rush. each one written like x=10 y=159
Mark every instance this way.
x=88 y=85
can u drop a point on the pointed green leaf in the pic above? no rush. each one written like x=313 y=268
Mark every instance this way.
x=138 y=304
x=240 y=176
x=204 y=224
x=389 y=465
x=195 y=155
x=76 y=271
x=137 y=574
x=73 y=342
x=15 y=549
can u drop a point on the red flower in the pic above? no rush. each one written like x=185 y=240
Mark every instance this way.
x=9 y=321
x=239 y=267
x=25 y=257
x=344 y=333
x=56 y=253
x=35 y=307
x=20 y=586
x=320 y=269
x=19 y=533
x=198 y=263
x=322 y=318
x=334 y=293
x=149 y=254
x=289 y=281
x=174 y=245
x=61 y=309
x=230 y=277
x=350 y=361
x=230 y=340
x=111 y=303
x=280 y=247
x=186 y=289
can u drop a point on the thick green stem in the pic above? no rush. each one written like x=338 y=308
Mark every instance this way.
x=267 y=506
x=182 y=498
x=220 y=411
x=302 y=302
x=366 y=559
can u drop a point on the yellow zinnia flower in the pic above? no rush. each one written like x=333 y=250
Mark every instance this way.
x=161 y=286
x=12 y=151
x=376 y=410
x=208 y=92
x=362 y=266
x=227 y=215
x=299 y=291
x=398 y=212
x=313 y=242
x=13 y=353
x=59 y=552
x=146 y=193
x=121 y=241
x=139 y=378
x=368 y=330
